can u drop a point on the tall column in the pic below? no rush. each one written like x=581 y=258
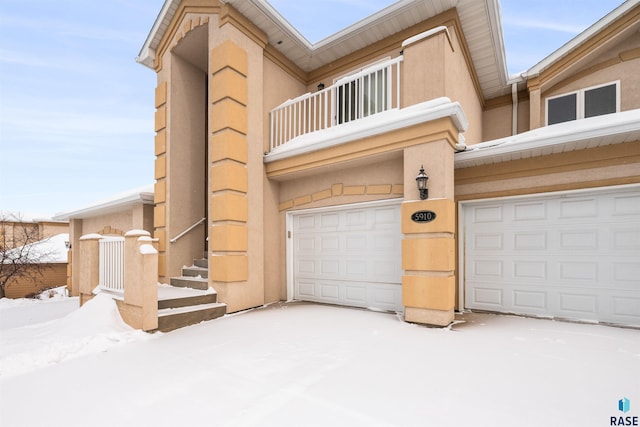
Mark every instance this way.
x=160 y=174
x=228 y=178
x=428 y=247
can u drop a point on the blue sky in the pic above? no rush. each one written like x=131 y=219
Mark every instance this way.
x=76 y=110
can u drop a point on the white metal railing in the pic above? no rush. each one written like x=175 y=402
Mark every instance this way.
x=175 y=239
x=111 y=264
x=373 y=90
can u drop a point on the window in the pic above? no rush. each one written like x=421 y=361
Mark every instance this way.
x=366 y=93
x=590 y=102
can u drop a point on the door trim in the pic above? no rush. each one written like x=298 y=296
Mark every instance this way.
x=289 y=231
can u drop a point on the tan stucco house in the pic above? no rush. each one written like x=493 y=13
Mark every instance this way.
x=293 y=166
x=111 y=217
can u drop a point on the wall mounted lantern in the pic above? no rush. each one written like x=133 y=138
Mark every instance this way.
x=320 y=86
x=421 y=180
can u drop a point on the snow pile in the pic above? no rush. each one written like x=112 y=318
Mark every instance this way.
x=95 y=327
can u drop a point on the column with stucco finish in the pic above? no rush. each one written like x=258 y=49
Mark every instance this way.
x=88 y=260
x=428 y=249
x=228 y=174
x=535 y=109
x=139 y=308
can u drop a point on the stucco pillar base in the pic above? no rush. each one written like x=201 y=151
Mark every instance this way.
x=428 y=316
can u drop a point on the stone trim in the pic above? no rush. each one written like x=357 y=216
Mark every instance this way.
x=339 y=189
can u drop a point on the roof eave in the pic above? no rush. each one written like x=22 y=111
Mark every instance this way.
x=581 y=38
x=117 y=205
x=625 y=125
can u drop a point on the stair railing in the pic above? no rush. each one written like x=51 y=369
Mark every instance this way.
x=175 y=239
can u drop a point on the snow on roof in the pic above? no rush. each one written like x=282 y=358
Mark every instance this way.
x=13 y=216
x=48 y=251
x=115 y=203
x=563 y=137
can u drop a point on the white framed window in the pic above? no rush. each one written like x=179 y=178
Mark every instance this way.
x=584 y=103
x=363 y=92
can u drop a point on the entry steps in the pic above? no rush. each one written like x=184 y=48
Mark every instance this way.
x=188 y=300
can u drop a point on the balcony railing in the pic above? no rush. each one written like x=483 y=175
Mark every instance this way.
x=373 y=90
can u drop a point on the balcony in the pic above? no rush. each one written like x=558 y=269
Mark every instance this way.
x=372 y=91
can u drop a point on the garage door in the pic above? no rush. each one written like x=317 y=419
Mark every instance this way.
x=573 y=255
x=348 y=256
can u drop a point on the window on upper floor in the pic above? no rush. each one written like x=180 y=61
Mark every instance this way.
x=584 y=103
x=365 y=94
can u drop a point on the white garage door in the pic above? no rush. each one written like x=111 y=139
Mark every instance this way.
x=348 y=256
x=572 y=255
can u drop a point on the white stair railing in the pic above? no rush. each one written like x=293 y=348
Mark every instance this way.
x=111 y=264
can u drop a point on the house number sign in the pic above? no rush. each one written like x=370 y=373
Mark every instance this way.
x=423 y=216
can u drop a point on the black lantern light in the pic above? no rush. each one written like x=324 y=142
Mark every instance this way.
x=421 y=180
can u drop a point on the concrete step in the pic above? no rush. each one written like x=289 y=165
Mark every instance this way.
x=195 y=272
x=170 y=319
x=203 y=262
x=187 y=301
x=190 y=282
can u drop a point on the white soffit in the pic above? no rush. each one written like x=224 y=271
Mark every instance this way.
x=555 y=139
x=117 y=203
x=480 y=21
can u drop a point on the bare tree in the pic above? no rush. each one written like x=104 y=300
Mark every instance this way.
x=19 y=255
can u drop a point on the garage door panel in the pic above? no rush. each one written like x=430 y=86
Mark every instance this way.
x=626 y=205
x=556 y=255
x=351 y=255
x=626 y=307
x=530 y=300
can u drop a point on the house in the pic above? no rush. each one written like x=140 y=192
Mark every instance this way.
x=42 y=265
x=111 y=217
x=18 y=228
x=294 y=167
x=38 y=242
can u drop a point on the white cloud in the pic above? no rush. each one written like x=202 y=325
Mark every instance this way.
x=531 y=23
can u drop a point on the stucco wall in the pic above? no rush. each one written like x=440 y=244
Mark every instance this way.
x=596 y=167
x=620 y=62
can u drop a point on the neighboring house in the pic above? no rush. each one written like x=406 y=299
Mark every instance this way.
x=16 y=226
x=303 y=160
x=131 y=210
x=44 y=266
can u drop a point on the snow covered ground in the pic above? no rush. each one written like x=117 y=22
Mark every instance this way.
x=302 y=364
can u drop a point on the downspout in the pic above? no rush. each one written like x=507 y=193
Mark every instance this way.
x=514 y=110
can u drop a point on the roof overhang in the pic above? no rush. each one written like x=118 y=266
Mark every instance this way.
x=555 y=139
x=480 y=20
x=118 y=203
x=581 y=38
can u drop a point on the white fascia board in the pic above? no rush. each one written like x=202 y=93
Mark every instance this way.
x=376 y=124
x=147 y=54
x=581 y=38
x=282 y=23
x=140 y=196
x=363 y=24
x=495 y=18
x=555 y=135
